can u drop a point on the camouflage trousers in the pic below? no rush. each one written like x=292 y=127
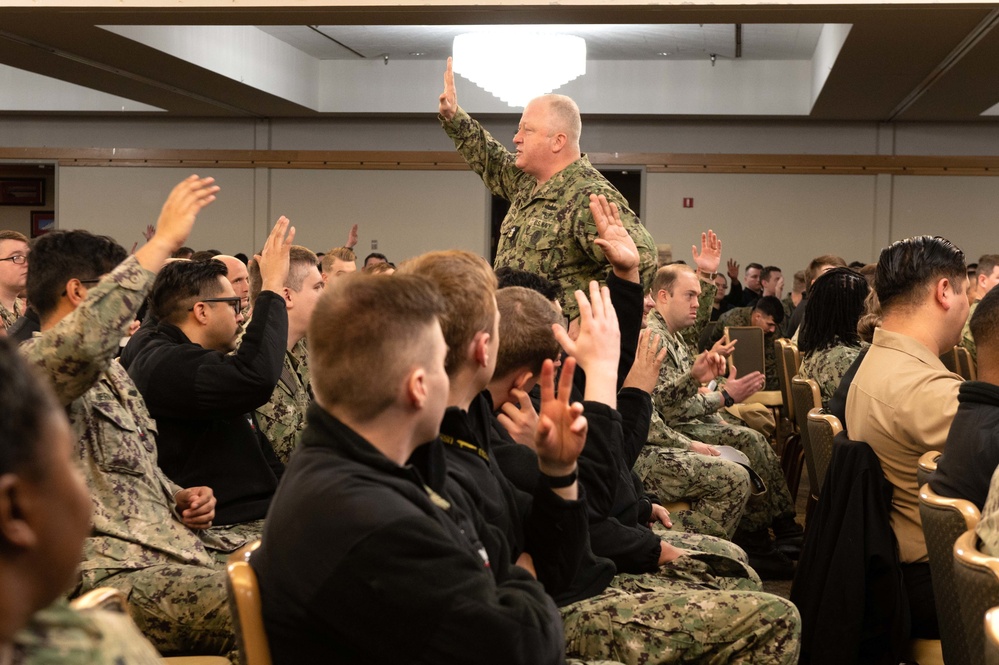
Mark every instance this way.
x=641 y=622
x=776 y=502
x=224 y=540
x=716 y=489
x=709 y=562
x=180 y=609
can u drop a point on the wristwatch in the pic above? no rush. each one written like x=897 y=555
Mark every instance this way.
x=709 y=276
x=728 y=398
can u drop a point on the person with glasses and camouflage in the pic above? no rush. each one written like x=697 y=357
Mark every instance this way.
x=203 y=395
x=13 y=276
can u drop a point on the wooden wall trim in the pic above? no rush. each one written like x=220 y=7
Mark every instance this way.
x=451 y=161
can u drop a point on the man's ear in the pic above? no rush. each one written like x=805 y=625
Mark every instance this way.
x=559 y=141
x=14 y=526
x=944 y=291
x=75 y=292
x=200 y=313
x=480 y=348
x=416 y=388
x=289 y=300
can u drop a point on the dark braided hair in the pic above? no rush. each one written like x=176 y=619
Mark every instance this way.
x=835 y=304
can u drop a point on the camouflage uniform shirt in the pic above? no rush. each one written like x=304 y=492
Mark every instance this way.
x=8 y=317
x=967 y=339
x=549 y=229
x=827 y=366
x=283 y=417
x=135 y=523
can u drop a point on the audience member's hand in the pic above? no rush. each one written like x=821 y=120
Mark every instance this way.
x=724 y=347
x=149 y=232
x=742 y=387
x=615 y=241
x=274 y=260
x=521 y=421
x=661 y=515
x=779 y=289
x=668 y=553
x=527 y=563
x=708 y=259
x=561 y=432
x=133 y=327
x=597 y=349
x=707 y=366
x=704 y=449
x=649 y=358
x=449 y=98
x=196 y=506
x=352 y=237
x=733 y=270
x=176 y=220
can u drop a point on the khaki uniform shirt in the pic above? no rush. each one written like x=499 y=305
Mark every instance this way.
x=549 y=229
x=902 y=402
x=135 y=523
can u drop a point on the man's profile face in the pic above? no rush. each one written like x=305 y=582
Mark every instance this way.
x=764 y=322
x=223 y=321
x=307 y=297
x=436 y=383
x=985 y=282
x=238 y=277
x=753 y=279
x=679 y=309
x=12 y=275
x=532 y=139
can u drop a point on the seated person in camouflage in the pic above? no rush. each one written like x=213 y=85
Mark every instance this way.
x=283 y=417
x=202 y=395
x=767 y=314
x=548 y=181
x=147 y=537
x=686 y=409
x=985 y=278
x=44 y=518
x=828 y=338
x=14 y=252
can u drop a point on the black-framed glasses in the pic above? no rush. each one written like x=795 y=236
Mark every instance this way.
x=17 y=259
x=234 y=301
x=81 y=281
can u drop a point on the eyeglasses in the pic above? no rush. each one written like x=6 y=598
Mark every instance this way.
x=17 y=259
x=81 y=281
x=234 y=301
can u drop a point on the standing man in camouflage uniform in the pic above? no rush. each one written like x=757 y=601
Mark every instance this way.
x=13 y=276
x=148 y=537
x=687 y=410
x=548 y=181
x=283 y=417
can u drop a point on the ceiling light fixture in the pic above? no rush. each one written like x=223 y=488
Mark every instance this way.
x=517 y=65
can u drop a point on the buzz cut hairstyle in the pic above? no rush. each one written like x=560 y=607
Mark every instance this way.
x=13 y=235
x=908 y=268
x=468 y=286
x=812 y=271
x=986 y=265
x=666 y=276
x=769 y=270
x=563 y=116
x=342 y=253
x=770 y=306
x=799 y=284
x=300 y=261
x=758 y=266
x=367 y=327
x=525 y=331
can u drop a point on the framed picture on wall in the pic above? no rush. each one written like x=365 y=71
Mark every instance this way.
x=22 y=191
x=42 y=221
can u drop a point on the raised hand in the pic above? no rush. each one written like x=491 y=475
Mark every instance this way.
x=707 y=366
x=597 y=349
x=176 y=220
x=352 y=237
x=519 y=420
x=561 y=432
x=708 y=259
x=649 y=358
x=149 y=232
x=273 y=260
x=733 y=269
x=615 y=241
x=449 y=98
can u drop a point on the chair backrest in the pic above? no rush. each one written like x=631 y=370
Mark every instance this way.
x=965 y=365
x=992 y=636
x=927 y=465
x=944 y=520
x=976 y=579
x=783 y=376
x=749 y=355
x=949 y=359
x=805 y=395
x=247 y=612
x=822 y=429
x=101 y=598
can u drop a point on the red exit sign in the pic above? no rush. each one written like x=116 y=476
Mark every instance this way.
x=688 y=202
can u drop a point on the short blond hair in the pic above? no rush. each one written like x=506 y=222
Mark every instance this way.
x=342 y=253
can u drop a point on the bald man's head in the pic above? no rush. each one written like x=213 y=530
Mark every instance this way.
x=238 y=276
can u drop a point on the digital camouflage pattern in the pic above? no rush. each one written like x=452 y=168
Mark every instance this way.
x=59 y=635
x=8 y=317
x=695 y=415
x=967 y=339
x=988 y=525
x=283 y=417
x=740 y=316
x=639 y=623
x=549 y=229
x=136 y=527
x=827 y=366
